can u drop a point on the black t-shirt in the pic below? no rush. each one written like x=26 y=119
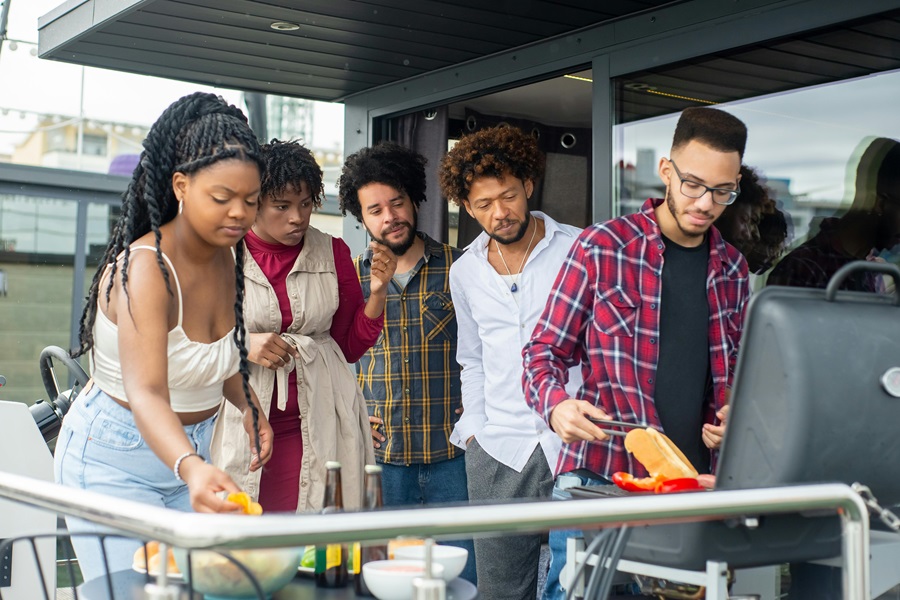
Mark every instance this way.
x=682 y=373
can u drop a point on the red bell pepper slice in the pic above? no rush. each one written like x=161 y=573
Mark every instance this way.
x=674 y=486
x=627 y=482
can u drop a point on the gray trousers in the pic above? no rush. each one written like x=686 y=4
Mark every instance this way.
x=507 y=565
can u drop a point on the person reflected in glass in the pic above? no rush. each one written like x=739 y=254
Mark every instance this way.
x=739 y=223
x=868 y=230
x=775 y=232
x=164 y=329
x=753 y=223
x=306 y=320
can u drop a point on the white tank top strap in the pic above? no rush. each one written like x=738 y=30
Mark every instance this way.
x=174 y=274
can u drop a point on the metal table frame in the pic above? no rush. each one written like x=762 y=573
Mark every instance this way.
x=194 y=531
x=714 y=578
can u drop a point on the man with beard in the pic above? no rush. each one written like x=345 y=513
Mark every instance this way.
x=410 y=378
x=500 y=286
x=653 y=303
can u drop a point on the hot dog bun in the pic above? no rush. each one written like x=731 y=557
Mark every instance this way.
x=140 y=559
x=140 y=562
x=658 y=454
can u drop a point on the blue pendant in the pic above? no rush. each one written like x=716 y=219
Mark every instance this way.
x=514 y=288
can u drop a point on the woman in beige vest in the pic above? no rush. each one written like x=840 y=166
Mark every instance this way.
x=306 y=319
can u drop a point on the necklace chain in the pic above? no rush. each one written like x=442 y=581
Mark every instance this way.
x=515 y=287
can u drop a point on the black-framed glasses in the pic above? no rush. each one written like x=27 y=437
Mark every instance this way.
x=695 y=189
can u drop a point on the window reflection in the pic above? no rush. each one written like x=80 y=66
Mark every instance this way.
x=805 y=145
x=868 y=230
x=37 y=250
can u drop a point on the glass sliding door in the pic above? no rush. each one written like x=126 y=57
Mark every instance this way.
x=821 y=114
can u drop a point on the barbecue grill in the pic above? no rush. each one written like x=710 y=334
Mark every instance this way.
x=816 y=398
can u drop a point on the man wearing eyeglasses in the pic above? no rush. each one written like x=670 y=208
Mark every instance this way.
x=655 y=302
x=652 y=306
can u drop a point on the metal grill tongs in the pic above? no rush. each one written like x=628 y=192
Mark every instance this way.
x=611 y=423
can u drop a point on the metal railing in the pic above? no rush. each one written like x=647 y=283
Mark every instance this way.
x=195 y=531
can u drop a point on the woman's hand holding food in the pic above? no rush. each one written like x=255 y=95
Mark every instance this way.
x=204 y=482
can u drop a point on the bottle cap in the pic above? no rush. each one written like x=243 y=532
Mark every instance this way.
x=332 y=464
x=372 y=469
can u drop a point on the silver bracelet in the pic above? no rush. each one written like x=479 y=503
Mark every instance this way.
x=177 y=468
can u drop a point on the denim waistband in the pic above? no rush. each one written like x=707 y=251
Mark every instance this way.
x=96 y=400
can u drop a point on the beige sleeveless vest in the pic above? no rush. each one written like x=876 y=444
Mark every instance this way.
x=333 y=416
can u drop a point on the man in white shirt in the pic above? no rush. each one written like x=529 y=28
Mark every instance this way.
x=500 y=287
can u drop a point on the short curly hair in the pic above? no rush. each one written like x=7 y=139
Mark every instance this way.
x=753 y=191
x=491 y=152
x=385 y=162
x=287 y=165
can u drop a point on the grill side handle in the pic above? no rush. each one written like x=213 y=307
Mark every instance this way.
x=863 y=265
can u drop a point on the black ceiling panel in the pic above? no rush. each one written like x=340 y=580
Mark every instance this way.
x=341 y=47
x=838 y=53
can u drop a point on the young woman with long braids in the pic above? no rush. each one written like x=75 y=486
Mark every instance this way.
x=306 y=320
x=163 y=328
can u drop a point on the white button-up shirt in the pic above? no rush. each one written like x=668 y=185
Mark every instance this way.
x=494 y=325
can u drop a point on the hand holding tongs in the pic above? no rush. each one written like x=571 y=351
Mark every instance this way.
x=611 y=423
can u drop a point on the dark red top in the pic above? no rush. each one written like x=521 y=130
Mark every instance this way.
x=354 y=333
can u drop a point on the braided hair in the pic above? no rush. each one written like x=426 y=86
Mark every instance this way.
x=193 y=133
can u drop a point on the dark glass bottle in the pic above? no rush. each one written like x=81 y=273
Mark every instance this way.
x=367 y=551
x=331 y=559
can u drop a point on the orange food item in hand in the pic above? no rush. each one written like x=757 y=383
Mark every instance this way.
x=243 y=499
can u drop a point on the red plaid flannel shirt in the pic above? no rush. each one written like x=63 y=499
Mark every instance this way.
x=603 y=312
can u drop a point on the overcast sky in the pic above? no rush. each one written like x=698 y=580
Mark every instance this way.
x=30 y=86
x=805 y=136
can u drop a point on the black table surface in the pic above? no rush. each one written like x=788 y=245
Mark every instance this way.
x=129 y=584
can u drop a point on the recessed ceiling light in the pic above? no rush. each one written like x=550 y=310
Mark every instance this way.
x=284 y=26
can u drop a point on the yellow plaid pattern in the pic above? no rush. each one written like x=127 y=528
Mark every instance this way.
x=410 y=378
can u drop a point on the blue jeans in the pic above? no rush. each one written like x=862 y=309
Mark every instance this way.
x=435 y=483
x=100 y=449
x=557 y=542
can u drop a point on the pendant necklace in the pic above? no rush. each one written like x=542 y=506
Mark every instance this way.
x=515 y=288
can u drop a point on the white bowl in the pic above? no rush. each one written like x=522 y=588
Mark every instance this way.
x=216 y=577
x=393 y=579
x=452 y=558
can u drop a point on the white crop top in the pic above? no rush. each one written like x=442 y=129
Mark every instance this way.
x=197 y=371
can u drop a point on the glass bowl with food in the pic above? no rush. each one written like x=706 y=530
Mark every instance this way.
x=230 y=575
